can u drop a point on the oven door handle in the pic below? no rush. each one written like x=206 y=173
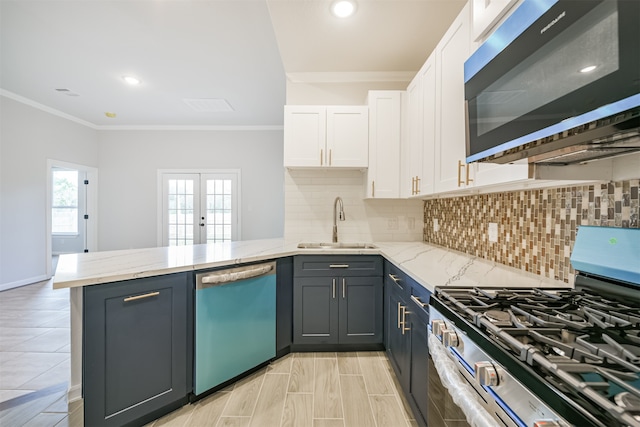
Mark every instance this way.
x=464 y=396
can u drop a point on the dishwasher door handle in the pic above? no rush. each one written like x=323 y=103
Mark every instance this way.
x=217 y=278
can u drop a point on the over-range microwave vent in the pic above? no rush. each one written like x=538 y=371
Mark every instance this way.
x=611 y=136
x=556 y=83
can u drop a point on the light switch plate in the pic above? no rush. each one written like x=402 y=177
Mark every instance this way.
x=493 y=232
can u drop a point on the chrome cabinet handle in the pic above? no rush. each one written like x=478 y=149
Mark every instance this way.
x=338 y=265
x=143 y=296
x=404 y=320
x=417 y=301
x=399 y=309
x=344 y=288
x=396 y=280
x=333 y=286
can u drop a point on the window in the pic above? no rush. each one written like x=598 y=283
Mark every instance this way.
x=64 y=202
x=200 y=207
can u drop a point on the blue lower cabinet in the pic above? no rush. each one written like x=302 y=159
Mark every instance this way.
x=406 y=333
x=337 y=301
x=136 y=340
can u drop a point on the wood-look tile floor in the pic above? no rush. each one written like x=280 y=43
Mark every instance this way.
x=34 y=358
x=305 y=389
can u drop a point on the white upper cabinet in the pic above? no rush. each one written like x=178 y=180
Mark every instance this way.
x=347 y=136
x=412 y=141
x=326 y=136
x=305 y=133
x=428 y=80
x=383 y=174
x=451 y=172
x=418 y=142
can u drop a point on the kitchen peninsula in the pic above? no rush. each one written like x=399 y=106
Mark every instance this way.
x=427 y=265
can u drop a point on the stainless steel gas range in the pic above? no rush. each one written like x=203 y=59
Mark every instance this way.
x=547 y=357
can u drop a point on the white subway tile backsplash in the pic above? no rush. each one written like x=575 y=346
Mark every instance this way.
x=309 y=198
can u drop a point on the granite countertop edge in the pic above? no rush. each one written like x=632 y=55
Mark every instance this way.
x=427 y=264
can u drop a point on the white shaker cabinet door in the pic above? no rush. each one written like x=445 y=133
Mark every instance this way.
x=451 y=173
x=383 y=174
x=304 y=135
x=347 y=136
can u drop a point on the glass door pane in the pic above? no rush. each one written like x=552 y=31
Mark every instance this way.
x=181 y=210
x=220 y=199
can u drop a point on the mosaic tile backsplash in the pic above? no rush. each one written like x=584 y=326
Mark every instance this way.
x=536 y=228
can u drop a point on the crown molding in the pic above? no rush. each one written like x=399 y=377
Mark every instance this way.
x=351 y=77
x=59 y=113
x=46 y=109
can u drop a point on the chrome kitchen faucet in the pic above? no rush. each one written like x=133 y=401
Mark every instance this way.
x=339 y=215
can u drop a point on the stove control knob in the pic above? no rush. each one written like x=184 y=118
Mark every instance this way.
x=450 y=338
x=486 y=374
x=437 y=326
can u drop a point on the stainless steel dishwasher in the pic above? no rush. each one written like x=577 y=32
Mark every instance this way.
x=235 y=323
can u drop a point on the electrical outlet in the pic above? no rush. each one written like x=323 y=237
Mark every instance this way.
x=493 y=232
x=411 y=223
x=436 y=225
x=392 y=224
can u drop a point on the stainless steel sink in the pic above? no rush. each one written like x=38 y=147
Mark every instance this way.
x=336 y=246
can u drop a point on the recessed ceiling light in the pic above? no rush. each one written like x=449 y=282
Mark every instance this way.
x=343 y=8
x=110 y=114
x=133 y=81
x=588 y=69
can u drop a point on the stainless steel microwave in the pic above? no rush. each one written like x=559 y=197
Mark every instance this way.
x=558 y=82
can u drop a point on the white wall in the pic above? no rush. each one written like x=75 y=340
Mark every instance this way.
x=309 y=199
x=129 y=164
x=28 y=137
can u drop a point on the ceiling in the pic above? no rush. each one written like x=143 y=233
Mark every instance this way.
x=69 y=56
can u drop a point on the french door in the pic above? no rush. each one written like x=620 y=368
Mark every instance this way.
x=199 y=208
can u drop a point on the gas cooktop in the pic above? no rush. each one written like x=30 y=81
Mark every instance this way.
x=587 y=346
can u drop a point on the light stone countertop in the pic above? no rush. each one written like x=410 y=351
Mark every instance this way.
x=429 y=265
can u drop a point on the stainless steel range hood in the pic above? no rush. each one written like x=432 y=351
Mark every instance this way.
x=608 y=137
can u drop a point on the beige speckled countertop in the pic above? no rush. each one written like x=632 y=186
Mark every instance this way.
x=430 y=265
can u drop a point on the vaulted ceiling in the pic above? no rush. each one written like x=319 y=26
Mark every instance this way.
x=69 y=56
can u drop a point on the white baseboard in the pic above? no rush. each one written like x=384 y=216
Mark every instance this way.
x=74 y=393
x=24 y=282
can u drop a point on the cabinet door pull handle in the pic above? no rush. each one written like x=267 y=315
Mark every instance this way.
x=338 y=265
x=394 y=277
x=404 y=320
x=468 y=179
x=333 y=288
x=399 y=314
x=417 y=185
x=413 y=185
x=417 y=301
x=137 y=297
x=373 y=189
x=321 y=157
x=344 y=288
x=460 y=181
x=330 y=157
